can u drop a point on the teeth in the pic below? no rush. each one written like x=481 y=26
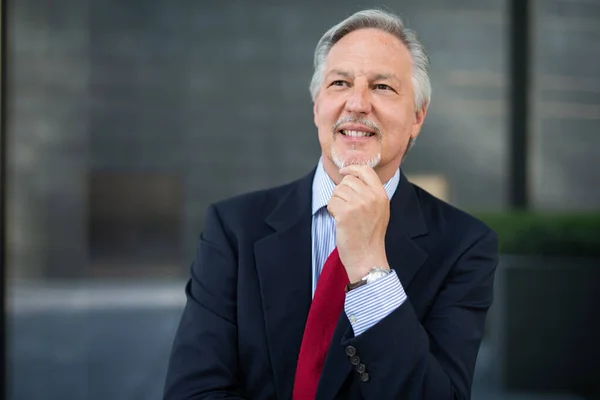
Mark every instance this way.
x=356 y=133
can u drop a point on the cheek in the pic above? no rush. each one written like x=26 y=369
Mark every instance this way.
x=396 y=140
x=325 y=136
x=325 y=118
x=329 y=108
x=402 y=126
x=323 y=114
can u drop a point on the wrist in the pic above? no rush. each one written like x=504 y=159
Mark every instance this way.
x=365 y=267
x=374 y=275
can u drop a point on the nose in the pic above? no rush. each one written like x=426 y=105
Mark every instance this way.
x=359 y=101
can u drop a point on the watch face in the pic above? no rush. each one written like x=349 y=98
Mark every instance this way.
x=376 y=274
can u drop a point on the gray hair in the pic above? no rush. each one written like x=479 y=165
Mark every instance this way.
x=386 y=22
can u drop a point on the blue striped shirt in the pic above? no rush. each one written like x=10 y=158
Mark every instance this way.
x=368 y=304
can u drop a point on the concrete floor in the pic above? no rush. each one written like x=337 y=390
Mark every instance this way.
x=104 y=340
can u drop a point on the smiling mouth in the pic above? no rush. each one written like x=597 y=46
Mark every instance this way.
x=356 y=134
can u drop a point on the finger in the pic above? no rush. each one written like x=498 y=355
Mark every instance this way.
x=354 y=183
x=335 y=206
x=344 y=192
x=364 y=173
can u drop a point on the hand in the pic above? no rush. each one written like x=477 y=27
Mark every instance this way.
x=361 y=209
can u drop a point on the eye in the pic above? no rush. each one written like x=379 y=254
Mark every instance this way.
x=339 y=83
x=383 y=86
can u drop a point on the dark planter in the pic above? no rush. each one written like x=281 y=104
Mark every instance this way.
x=545 y=324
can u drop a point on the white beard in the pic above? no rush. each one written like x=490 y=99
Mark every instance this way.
x=341 y=163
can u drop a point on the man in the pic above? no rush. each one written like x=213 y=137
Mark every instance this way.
x=351 y=282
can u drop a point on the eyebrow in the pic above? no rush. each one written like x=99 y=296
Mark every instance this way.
x=373 y=77
x=340 y=72
x=385 y=77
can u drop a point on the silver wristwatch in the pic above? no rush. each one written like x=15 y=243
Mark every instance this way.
x=373 y=275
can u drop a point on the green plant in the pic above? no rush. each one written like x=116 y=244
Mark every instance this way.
x=548 y=234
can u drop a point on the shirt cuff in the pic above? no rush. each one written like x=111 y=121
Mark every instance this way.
x=368 y=304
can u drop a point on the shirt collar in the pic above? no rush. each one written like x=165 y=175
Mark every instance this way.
x=323 y=186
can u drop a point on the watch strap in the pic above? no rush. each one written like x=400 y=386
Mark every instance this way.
x=355 y=285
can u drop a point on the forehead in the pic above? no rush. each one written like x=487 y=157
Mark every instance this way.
x=370 y=49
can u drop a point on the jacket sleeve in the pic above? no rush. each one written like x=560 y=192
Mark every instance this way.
x=203 y=359
x=434 y=359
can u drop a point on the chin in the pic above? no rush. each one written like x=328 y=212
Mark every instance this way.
x=341 y=161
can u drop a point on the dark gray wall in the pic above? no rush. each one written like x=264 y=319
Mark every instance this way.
x=48 y=69
x=566 y=124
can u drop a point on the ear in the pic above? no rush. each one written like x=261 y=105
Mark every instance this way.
x=315 y=112
x=418 y=122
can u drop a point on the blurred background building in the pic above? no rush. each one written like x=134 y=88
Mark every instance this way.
x=127 y=119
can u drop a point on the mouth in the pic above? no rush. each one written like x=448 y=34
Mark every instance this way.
x=356 y=134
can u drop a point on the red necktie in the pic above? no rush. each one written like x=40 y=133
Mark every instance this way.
x=324 y=313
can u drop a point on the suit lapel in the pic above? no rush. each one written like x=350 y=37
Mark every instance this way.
x=404 y=256
x=284 y=267
x=406 y=223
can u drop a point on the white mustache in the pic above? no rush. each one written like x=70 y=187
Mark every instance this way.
x=349 y=119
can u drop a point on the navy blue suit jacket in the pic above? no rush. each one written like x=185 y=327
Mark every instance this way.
x=250 y=289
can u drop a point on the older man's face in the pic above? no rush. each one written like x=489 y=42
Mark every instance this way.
x=365 y=111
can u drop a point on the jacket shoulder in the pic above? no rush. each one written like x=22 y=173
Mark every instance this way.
x=449 y=219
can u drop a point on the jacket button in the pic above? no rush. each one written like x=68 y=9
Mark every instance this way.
x=364 y=377
x=360 y=368
x=355 y=360
x=350 y=351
